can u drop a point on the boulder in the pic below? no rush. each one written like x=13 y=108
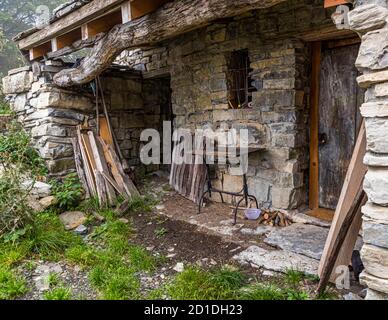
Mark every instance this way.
x=72 y=219
x=39 y=189
x=299 y=238
x=47 y=202
x=278 y=260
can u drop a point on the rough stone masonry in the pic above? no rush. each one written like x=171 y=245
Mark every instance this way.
x=197 y=65
x=369 y=19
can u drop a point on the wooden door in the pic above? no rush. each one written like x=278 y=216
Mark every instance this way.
x=339 y=120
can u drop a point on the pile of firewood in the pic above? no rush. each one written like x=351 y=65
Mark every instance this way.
x=275 y=219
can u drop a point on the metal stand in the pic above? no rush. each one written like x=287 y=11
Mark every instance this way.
x=244 y=194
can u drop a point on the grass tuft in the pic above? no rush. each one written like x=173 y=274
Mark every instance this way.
x=60 y=293
x=196 y=284
x=11 y=286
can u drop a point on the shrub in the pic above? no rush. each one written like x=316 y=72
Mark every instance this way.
x=14 y=209
x=18 y=160
x=16 y=151
x=68 y=193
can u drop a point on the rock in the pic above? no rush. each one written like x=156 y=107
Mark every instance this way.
x=47 y=202
x=18 y=82
x=179 y=267
x=299 y=217
x=19 y=104
x=98 y=217
x=375 y=134
x=259 y=231
x=375 y=160
x=303 y=239
x=42 y=283
x=279 y=260
x=374 y=283
x=373 y=51
x=367 y=17
x=123 y=220
x=352 y=296
x=376 y=295
x=267 y=273
x=376 y=213
x=72 y=219
x=366 y=80
x=374 y=109
x=381 y=90
x=375 y=260
x=160 y=207
x=376 y=184
x=34 y=204
x=375 y=233
x=151 y=248
x=39 y=190
x=171 y=255
x=81 y=230
x=63 y=100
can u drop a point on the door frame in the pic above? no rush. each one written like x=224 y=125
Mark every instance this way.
x=314 y=117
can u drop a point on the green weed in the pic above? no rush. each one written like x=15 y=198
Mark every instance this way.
x=60 y=293
x=11 y=286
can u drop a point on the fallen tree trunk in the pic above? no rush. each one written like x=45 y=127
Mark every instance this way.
x=171 y=20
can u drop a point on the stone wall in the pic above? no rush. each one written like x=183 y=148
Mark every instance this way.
x=278 y=120
x=197 y=65
x=370 y=20
x=51 y=114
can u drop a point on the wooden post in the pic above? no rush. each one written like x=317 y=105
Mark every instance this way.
x=126 y=12
x=314 y=127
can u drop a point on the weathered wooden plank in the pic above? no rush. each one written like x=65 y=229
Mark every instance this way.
x=129 y=186
x=79 y=167
x=171 y=20
x=113 y=166
x=354 y=177
x=101 y=166
x=88 y=169
x=101 y=188
x=105 y=133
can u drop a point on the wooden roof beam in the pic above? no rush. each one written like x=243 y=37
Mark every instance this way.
x=169 y=21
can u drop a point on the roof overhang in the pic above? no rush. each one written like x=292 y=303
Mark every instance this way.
x=88 y=20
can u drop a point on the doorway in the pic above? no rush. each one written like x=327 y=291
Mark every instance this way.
x=334 y=124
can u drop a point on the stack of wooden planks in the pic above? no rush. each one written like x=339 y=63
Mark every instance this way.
x=189 y=179
x=99 y=167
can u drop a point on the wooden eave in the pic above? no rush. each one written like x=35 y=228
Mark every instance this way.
x=85 y=22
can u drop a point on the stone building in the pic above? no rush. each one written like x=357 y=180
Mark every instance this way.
x=282 y=69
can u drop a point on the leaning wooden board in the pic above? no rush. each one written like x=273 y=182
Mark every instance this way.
x=354 y=177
